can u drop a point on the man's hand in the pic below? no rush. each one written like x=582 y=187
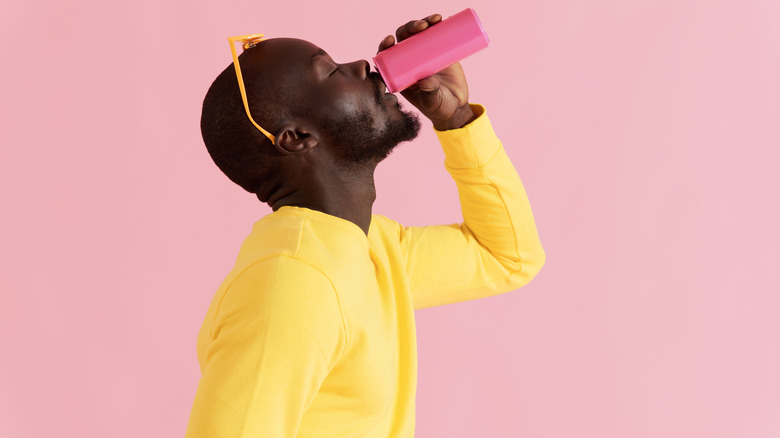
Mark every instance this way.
x=442 y=97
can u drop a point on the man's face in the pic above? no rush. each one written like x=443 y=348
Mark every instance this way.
x=347 y=102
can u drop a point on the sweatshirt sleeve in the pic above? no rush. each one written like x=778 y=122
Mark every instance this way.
x=496 y=249
x=275 y=336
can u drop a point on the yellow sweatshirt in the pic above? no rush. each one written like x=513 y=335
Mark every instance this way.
x=312 y=334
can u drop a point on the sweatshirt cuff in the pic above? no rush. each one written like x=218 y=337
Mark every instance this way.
x=472 y=145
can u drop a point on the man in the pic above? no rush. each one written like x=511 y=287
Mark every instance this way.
x=312 y=333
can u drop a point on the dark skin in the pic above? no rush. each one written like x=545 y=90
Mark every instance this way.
x=315 y=176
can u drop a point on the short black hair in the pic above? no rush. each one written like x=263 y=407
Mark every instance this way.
x=240 y=150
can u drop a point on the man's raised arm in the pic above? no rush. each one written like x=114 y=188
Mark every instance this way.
x=497 y=247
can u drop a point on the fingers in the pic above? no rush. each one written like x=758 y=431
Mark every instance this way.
x=416 y=26
x=386 y=43
x=408 y=30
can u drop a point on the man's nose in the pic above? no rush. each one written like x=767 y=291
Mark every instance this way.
x=360 y=68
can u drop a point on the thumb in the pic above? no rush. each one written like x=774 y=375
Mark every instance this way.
x=429 y=84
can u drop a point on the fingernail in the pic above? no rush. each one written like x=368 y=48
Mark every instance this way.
x=419 y=23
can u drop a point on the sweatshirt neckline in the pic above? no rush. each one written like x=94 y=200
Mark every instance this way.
x=318 y=216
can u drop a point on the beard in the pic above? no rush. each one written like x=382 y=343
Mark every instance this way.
x=360 y=138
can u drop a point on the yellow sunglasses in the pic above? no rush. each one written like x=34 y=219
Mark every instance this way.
x=248 y=41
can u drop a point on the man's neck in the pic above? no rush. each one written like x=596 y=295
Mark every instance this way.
x=347 y=193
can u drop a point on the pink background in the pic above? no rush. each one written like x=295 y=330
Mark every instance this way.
x=646 y=133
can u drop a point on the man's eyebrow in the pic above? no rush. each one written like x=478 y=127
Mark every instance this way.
x=318 y=53
x=315 y=56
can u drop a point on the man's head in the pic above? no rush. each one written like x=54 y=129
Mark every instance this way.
x=317 y=110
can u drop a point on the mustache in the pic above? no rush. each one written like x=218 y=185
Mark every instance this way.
x=376 y=77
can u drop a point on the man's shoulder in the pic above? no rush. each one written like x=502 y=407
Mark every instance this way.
x=325 y=243
x=271 y=236
x=272 y=249
x=383 y=224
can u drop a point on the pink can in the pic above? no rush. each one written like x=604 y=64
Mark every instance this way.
x=431 y=50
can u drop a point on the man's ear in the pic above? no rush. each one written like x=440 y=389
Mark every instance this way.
x=293 y=139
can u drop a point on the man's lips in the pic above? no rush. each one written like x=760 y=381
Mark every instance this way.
x=388 y=96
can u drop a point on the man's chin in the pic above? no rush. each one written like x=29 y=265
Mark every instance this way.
x=406 y=129
x=414 y=128
x=410 y=123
